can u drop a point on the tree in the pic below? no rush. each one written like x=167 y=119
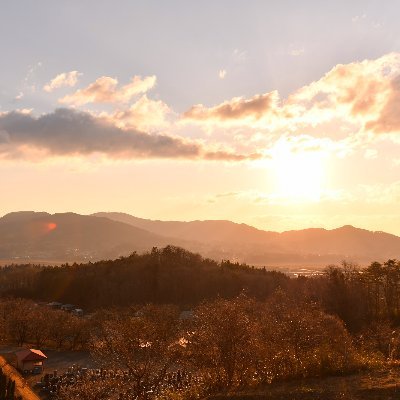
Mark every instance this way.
x=145 y=345
x=39 y=326
x=300 y=340
x=18 y=319
x=224 y=342
x=61 y=326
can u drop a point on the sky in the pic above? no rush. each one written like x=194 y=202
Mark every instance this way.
x=282 y=115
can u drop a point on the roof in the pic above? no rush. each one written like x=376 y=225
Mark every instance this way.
x=30 y=355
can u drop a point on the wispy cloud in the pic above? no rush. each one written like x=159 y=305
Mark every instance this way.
x=105 y=90
x=222 y=74
x=235 y=109
x=65 y=79
x=358 y=18
x=29 y=81
x=19 y=96
x=295 y=52
x=239 y=56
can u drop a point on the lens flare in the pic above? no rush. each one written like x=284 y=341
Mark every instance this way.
x=51 y=226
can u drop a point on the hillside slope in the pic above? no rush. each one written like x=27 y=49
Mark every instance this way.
x=73 y=237
x=253 y=245
x=70 y=236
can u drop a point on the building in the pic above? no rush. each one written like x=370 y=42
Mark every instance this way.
x=68 y=307
x=30 y=361
x=78 y=312
x=55 y=304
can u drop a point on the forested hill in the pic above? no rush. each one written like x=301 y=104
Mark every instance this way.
x=71 y=237
x=172 y=275
x=212 y=231
x=168 y=275
x=255 y=246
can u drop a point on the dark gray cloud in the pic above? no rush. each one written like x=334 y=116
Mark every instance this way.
x=69 y=132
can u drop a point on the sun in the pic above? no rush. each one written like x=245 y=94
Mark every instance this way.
x=299 y=174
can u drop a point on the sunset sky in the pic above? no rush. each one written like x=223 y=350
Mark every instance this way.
x=282 y=115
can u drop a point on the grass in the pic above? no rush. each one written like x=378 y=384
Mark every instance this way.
x=382 y=384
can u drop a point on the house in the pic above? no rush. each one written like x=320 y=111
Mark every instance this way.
x=54 y=304
x=68 y=307
x=30 y=360
x=78 y=312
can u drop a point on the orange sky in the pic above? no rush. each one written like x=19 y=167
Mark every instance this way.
x=311 y=140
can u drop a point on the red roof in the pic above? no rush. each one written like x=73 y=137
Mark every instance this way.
x=30 y=355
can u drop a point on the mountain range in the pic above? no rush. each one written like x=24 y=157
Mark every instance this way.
x=29 y=235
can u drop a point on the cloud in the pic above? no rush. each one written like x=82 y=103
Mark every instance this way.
x=388 y=118
x=350 y=108
x=145 y=115
x=67 y=132
x=358 y=18
x=349 y=99
x=221 y=155
x=19 y=96
x=295 y=52
x=65 y=79
x=235 y=109
x=354 y=91
x=222 y=73
x=105 y=90
x=227 y=194
x=29 y=82
x=239 y=56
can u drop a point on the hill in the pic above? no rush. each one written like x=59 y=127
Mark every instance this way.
x=211 y=231
x=170 y=275
x=255 y=246
x=69 y=236
x=72 y=237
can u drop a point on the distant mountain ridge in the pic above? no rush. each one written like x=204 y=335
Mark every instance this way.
x=69 y=236
x=32 y=235
x=216 y=230
x=307 y=244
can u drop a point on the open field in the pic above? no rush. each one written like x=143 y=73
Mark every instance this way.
x=10 y=261
x=293 y=270
x=371 y=385
x=381 y=384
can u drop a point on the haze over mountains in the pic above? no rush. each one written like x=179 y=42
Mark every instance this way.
x=69 y=236
x=73 y=237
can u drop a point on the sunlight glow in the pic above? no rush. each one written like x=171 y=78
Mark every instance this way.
x=299 y=174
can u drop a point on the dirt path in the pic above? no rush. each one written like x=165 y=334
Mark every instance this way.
x=21 y=385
